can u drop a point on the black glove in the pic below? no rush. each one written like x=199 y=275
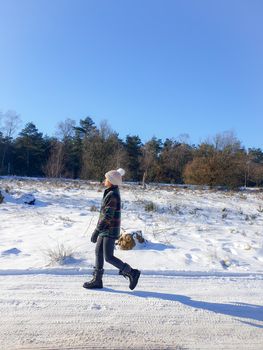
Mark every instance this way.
x=94 y=236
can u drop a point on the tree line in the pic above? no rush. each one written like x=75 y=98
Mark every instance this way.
x=88 y=151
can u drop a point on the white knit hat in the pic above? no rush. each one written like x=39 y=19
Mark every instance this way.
x=115 y=176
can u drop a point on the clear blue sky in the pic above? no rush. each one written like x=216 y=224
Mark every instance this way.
x=149 y=67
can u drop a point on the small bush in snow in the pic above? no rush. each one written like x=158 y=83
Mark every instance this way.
x=225 y=263
x=246 y=246
x=242 y=196
x=173 y=209
x=224 y=215
x=260 y=209
x=240 y=211
x=233 y=230
x=195 y=211
x=150 y=206
x=93 y=208
x=65 y=218
x=59 y=255
x=7 y=189
x=1 y=198
x=176 y=209
x=250 y=217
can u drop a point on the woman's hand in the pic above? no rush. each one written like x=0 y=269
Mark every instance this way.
x=94 y=236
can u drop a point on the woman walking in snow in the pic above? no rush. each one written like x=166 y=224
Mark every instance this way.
x=107 y=231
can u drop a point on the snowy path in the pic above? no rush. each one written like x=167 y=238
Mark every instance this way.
x=164 y=312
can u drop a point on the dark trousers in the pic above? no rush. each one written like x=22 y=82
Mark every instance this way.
x=105 y=250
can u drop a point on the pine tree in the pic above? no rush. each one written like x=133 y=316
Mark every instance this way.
x=133 y=147
x=30 y=147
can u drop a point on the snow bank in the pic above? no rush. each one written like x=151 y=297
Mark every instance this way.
x=188 y=229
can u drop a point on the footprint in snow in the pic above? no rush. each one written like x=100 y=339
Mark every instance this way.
x=188 y=259
x=95 y=306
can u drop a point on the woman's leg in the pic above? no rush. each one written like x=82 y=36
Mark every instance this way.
x=96 y=281
x=125 y=269
x=108 y=249
x=99 y=259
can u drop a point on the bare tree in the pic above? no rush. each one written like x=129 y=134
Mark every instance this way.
x=223 y=140
x=56 y=161
x=105 y=130
x=150 y=160
x=183 y=138
x=147 y=160
x=65 y=129
x=102 y=151
x=256 y=173
x=11 y=122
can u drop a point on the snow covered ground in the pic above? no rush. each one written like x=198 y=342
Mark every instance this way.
x=164 y=312
x=188 y=230
x=201 y=284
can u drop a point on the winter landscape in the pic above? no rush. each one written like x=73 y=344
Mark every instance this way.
x=164 y=100
x=201 y=263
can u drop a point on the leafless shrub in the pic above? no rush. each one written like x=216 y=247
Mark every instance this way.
x=174 y=209
x=226 y=262
x=65 y=219
x=59 y=255
x=93 y=208
x=150 y=206
x=251 y=217
x=56 y=162
x=194 y=211
x=1 y=198
x=242 y=196
x=224 y=215
x=233 y=230
x=7 y=189
x=240 y=211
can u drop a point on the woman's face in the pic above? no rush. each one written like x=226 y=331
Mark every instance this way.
x=107 y=183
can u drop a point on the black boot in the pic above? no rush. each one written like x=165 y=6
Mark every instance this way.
x=96 y=281
x=132 y=274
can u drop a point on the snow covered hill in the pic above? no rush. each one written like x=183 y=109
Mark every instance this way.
x=186 y=229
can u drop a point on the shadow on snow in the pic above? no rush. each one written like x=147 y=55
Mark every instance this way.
x=235 y=309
